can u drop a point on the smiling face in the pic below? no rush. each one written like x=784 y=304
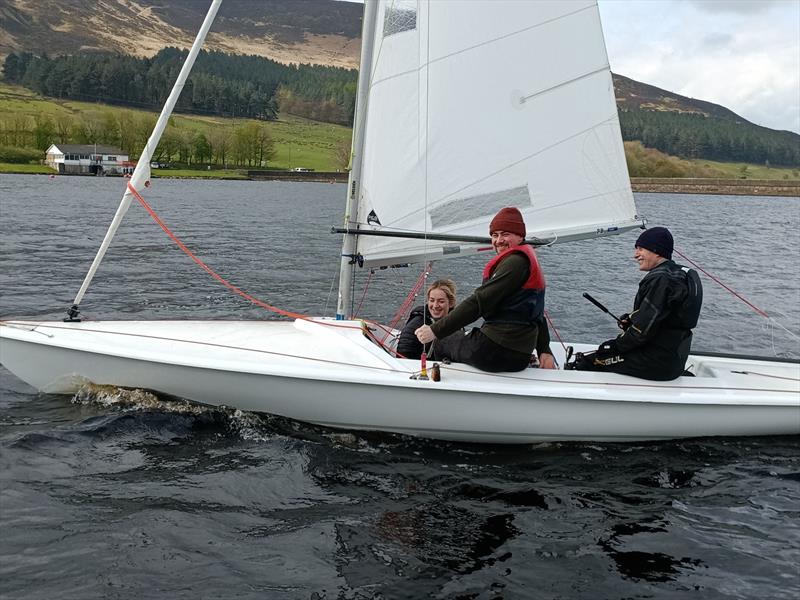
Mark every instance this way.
x=647 y=259
x=503 y=240
x=438 y=303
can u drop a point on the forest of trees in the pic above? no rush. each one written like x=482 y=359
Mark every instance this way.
x=692 y=135
x=258 y=88
x=220 y=84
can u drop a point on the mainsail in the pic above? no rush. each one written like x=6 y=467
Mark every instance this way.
x=475 y=105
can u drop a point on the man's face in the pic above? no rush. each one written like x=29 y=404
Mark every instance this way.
x=647 y=260
x=503 y=240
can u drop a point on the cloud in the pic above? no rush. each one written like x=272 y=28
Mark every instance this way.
x=742 y=54
x=737 y=6
x=747 y=59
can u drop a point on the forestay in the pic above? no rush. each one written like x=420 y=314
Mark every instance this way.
x=476 y=105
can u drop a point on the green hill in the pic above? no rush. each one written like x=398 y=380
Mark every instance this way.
x=31 y=121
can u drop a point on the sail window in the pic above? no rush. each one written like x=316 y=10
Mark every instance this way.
x=400 y=16
x=482 y=206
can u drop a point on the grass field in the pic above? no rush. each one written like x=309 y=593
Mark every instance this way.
x=749 y=170
x=298 y=142
x=15 y=168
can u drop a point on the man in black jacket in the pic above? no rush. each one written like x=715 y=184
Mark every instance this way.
x=657 y=335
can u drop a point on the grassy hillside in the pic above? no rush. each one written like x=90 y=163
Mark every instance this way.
x=649 y=162
x=311 y=31
x=734 y=170
x=298 y=142
x=314 y=145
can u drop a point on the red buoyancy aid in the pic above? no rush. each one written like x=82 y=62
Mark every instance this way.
x=526 y=306
x=535 y=279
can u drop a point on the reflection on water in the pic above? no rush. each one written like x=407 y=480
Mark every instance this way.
x=649 y=566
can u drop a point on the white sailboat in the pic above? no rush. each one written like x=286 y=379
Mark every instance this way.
x=532 y=81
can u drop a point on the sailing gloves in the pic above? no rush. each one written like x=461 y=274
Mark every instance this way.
x=624 y=322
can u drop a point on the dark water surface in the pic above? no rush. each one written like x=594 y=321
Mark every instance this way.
x=121 y=495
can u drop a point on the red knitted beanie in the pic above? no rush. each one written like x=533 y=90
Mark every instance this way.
x=508 y=219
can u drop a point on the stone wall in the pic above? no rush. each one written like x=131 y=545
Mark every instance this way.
x=741 y=187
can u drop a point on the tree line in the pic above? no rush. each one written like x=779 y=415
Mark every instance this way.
x=692 y=135
x=220 y=84
x=258 y=88
x=23 y=139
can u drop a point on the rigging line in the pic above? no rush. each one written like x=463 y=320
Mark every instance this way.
x=791 y=333
x=330 y=293
x=213 y=273
x=405 y=307
x=384 y=346
x=766 y=375
x=716 y=280
x=425 y=163
x=772 y=320
x=364 y=295
x=558 y=335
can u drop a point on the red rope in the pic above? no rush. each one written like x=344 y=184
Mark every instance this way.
x=707 y=274
x=213 y=273
x=553 y=327
x=405 y=307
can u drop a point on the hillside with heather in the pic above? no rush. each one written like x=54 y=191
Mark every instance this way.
x=287 y=31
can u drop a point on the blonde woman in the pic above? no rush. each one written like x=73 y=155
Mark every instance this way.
x=439 y=299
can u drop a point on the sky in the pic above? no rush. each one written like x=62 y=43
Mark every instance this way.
x=742 y=54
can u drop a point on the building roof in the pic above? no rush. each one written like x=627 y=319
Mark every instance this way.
x=88 y=149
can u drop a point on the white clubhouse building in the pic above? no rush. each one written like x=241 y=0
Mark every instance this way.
x=87 y=159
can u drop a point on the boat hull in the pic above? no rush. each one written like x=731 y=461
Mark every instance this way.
x=332 y=375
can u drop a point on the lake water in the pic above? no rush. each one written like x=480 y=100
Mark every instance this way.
x=118 y=495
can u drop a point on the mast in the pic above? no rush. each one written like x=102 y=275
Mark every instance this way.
x=141 y=174
x=357 y=157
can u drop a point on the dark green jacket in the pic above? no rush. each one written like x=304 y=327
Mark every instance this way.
x=507 y=278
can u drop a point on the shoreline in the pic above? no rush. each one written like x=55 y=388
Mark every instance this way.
x=653 y=185
x=717 y=187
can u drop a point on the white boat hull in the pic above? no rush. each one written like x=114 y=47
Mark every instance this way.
x=329 y=373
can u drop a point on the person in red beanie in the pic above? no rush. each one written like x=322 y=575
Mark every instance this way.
x=657 y=335
x=511 y=302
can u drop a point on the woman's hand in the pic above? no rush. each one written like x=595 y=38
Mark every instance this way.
x=425 y=334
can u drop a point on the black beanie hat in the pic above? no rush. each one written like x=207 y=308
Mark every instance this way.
x=658 y=240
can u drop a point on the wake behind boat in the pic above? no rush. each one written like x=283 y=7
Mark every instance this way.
x=423 y=187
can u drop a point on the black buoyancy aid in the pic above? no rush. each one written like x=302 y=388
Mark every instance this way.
x=689 y=311
x=525 y=306
x=685 y=314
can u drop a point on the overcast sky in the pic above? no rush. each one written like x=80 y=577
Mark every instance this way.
x=742 y=54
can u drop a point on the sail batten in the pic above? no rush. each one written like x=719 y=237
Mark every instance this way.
x=475 y=105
